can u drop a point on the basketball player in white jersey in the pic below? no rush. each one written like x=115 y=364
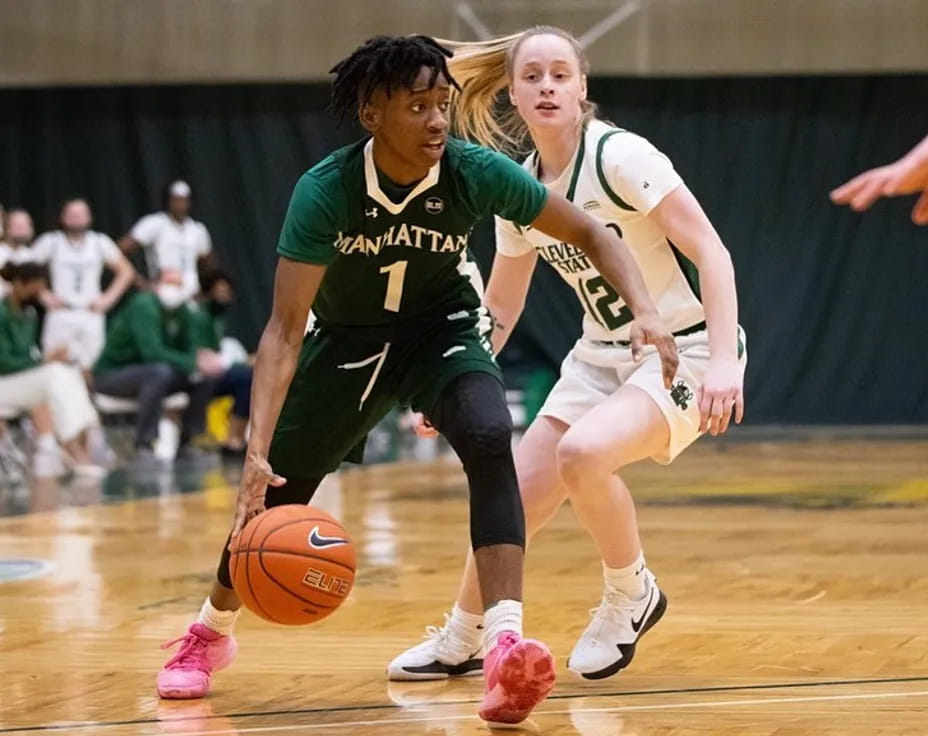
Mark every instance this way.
x=610 y=407
x=76 y=304
x=171 y=238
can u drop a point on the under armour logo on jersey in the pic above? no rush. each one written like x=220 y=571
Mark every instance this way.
x=645 y=185
x=681 y=395
x=372 y=212
x=316 y=540
x=434 y=205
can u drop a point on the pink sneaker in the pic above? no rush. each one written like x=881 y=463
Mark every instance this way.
x=519 y=674
x=187 y=673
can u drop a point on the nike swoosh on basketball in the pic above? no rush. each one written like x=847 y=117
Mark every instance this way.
x=316 y=540
x=636 y=625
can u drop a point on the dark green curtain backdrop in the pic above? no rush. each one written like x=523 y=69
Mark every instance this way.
x=835 y=304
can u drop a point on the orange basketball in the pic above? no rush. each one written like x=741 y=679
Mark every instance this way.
x=293 y=564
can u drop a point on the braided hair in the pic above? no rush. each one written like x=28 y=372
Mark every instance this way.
x=387 y=62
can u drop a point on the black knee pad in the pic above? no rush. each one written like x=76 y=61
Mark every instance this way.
x=473 y=415
x=295 y=490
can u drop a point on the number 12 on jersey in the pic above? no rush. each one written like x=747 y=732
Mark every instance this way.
x=396 y=273
x=597 y=292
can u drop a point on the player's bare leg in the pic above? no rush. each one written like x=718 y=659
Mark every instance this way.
x=625 y=428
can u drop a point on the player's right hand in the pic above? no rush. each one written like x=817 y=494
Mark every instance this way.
x=649 y=329
x=50 y=301
x=257 y=475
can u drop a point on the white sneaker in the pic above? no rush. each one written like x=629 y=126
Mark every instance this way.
x=608 y=644
x=48 y=463
x=440 y=656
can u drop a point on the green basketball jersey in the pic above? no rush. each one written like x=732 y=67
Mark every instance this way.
x=397 y=258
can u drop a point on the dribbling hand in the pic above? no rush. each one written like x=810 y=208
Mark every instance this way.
x=649 y=329
x=257 y=475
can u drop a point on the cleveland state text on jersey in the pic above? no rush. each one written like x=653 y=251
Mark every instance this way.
x=565 y=257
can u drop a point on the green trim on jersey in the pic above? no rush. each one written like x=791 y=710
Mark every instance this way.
x=690 y=272
x=602 y=174
x=578 y=164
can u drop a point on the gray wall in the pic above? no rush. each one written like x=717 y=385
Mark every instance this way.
x=50 y=42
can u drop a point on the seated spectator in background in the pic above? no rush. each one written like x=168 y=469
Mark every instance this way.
x=153 y=350
x=217 y=296
x=76 y=306
x=54 y=391
x=172 y=239
x=18 y=234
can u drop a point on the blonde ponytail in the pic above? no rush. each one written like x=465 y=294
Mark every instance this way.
x=482 y=110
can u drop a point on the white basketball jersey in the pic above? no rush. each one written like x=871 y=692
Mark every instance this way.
x=75 y=268
x=618 y=178
x=173 y=245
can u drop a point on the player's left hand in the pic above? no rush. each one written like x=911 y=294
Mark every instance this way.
x=257 y=475
x=649 y=329
x=100 y=305
x=721 y=394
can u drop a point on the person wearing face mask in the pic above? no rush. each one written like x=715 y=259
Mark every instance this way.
x=76 y=305
x=53 y=391
x=217 y=296
x=172 y=239
x=153 y=349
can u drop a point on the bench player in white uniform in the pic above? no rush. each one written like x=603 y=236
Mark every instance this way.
x=77 y=305
x=171 y=238
x=18 y=234
x=610 y=408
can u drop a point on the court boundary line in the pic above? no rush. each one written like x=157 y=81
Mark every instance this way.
x=539 y=714
x=464 y=701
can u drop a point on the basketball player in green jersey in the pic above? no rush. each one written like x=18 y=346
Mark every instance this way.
x=608 y=410
x=375 y=241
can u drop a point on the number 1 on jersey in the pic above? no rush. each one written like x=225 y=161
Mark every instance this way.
x=396 y=273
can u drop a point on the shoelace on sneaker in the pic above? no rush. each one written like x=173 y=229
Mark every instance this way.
x=438 y=632
x=191 y=655
x=614 y=607
x=442 y=638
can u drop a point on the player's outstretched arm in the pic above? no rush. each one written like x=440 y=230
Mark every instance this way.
x=610 y=256
x=908 y=175
x=295 y=288
x=506 y=292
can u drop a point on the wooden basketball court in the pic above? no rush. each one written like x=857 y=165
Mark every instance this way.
x=797 y=574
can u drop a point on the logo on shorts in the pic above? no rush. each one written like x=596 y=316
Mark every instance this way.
x=681 y=395
x=434 y=205
x=316 y=540
x=372 y=212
